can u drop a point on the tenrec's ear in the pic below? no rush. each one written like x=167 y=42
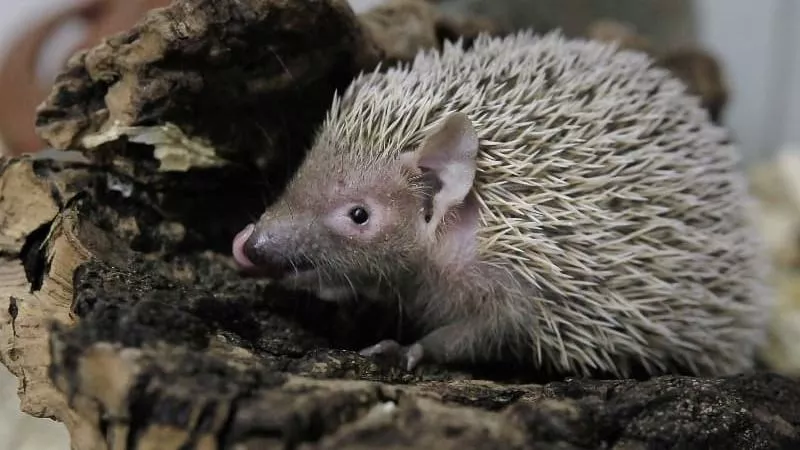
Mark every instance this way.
x=449 y=152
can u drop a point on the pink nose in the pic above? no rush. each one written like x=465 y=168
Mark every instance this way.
x=238 y=248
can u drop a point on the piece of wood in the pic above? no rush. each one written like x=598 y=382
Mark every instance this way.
x=162 y=363
x=210 y=83
x=36 y=283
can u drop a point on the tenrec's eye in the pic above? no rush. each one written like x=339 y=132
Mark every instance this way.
x=359 y=215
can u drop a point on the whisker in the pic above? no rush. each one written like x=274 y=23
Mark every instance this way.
x=352 y=286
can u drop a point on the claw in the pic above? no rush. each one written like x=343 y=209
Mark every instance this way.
x=381 y=348
x=410 y=356
x=413 y=355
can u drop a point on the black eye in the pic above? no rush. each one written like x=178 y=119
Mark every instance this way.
x=359 y=215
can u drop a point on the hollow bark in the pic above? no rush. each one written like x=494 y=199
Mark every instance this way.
x=123 y=316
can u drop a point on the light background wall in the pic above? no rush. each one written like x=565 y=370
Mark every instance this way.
x=758 y=42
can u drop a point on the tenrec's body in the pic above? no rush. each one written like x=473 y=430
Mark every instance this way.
x=552 y=200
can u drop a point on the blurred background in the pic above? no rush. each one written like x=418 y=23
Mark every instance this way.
x=756 y=43
x=741 y=56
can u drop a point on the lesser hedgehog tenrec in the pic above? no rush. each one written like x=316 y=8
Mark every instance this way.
x=544 y=198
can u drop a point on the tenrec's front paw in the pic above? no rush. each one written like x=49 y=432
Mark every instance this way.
x=410 y=355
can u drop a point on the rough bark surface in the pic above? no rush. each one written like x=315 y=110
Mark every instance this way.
x=123 y=316
x=219 y=71
x=35 y=282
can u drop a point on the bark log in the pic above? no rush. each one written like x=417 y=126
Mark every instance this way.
x=35 y=280
x=123 y=316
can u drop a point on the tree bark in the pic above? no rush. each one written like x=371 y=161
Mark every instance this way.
x=39 y=252
x=123 y=316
